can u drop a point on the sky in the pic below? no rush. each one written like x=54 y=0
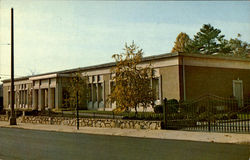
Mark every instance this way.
x=59 y=34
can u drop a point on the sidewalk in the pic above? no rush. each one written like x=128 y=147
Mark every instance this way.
x=160 y=134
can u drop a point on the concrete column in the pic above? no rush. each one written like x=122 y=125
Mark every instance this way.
x=103 y=94
x=58 y=94
x=34 y=101
x=92 y=92
x=51 y=98
x=8 y=99
x=97 y=96
x=110 y=103
x=20 y=99
x=15 y=99
x=41 y=98
x=160 y=88
x=27 y=98
x=46 y=98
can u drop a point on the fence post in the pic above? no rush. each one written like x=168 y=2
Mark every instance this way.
x=165 y=113
x=209 y=114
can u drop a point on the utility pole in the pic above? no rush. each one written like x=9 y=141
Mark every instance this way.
x=12 y=116
x=77 y=109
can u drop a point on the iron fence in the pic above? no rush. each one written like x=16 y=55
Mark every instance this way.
x=104 y=114
x=208 y=113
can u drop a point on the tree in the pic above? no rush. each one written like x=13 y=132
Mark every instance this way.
x=132 y=83
x=181 y=43
x=77 y=83
x=209 y=41
x=238 y=47
x=206 y=41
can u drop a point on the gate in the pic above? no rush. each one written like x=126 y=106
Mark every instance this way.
x=208 y=113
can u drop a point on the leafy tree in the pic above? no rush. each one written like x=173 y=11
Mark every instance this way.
x=207 y=40
x=238 y=47
x=132 y=82
x=77 y=83
x=181 y=43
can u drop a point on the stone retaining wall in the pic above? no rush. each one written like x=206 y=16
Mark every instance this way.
x=89 y=122
x=3 y=118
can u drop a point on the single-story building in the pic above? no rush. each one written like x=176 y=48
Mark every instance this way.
x=178 y=76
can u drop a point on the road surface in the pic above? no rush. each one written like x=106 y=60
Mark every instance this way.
x=32 y=144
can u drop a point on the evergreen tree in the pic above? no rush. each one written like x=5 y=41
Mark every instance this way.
x=206 y=41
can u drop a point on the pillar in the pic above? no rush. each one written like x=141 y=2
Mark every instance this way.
x=58 y=95
x=34 y=101
x=41 y=98
x=97 y=95
x=103 y=95
x=92 y=92
x=110 y=103
x=19 y=99
x=27 y=98
x=51 y=98
x=160 y=88
x=46 y=98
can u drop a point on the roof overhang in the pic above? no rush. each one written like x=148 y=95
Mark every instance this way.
x=49 y=76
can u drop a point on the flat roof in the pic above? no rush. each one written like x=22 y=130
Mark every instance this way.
x=148 y=58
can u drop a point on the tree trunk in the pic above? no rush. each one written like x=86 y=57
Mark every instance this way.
x=136 y=111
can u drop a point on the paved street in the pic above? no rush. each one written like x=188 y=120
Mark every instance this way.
x=30 y=144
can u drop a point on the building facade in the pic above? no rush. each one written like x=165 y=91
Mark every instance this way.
x=177 y=76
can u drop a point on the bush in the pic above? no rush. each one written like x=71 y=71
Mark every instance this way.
x=31 y=113
x=172 y=106
x=158 y=109
x=233 y=116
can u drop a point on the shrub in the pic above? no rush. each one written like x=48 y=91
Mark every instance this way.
x=233 y=116
x=172 y=106
x=158 y=109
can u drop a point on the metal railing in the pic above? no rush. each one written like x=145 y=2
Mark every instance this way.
x=209 y=113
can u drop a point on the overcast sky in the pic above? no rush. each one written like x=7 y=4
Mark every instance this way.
x=57 y=35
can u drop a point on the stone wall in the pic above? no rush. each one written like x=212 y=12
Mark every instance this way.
x=3 y=118
x=89 y=122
